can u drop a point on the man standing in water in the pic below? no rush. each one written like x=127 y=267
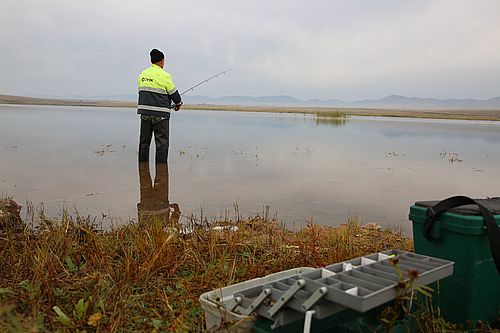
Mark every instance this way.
x=156 y=94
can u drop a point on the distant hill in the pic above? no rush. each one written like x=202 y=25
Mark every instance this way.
x=417 y=102
x=392 y=101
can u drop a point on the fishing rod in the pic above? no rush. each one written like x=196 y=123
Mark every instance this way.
x=208 y=79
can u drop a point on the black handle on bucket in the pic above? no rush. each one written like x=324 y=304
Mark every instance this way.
x=491 y=226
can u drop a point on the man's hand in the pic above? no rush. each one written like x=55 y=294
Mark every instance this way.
x=177 y=107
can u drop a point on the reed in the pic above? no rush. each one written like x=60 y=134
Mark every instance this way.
x=331 y=114
x=68 y=276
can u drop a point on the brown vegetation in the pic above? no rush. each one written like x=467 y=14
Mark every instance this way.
x=67 y=277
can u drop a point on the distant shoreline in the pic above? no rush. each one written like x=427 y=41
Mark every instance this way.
x=432 y=113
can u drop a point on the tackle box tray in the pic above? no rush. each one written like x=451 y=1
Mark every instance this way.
x=360 y=284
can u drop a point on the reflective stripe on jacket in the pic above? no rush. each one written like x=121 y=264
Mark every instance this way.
x=156 y=92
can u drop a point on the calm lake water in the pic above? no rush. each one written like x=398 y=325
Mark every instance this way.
x=85 y=159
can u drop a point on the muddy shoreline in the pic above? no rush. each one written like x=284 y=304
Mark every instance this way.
x=432 y=113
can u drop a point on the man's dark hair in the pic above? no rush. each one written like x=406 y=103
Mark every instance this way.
x=156 y=56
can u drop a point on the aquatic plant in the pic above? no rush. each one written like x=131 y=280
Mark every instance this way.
x=331 y=114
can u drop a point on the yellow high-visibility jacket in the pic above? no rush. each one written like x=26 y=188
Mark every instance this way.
x=156 y=92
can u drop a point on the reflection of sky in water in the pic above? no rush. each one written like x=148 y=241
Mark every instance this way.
x=302 y=169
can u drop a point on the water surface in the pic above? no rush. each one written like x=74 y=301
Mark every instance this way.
x=85 y=159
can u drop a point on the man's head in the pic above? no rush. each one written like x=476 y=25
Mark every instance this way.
x=157 y=57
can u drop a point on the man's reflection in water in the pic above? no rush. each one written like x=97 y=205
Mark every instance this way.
x=153 y=205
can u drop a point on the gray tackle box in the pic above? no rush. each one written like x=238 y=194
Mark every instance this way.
x=360 y=284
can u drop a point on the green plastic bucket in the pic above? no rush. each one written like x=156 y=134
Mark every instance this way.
x=472 y=293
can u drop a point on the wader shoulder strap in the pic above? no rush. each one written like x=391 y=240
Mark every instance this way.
x=491 y=226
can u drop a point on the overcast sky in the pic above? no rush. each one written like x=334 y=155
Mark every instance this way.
x=307 y=49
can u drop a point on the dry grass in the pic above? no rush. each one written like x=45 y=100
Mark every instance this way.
x=68 y=277
x=22 y=100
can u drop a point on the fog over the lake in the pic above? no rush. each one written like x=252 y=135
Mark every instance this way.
x=318 y=49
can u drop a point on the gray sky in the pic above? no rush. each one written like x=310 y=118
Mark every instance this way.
x=307 y=49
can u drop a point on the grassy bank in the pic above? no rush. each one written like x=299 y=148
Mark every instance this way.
x=330 y=112
x=69 y=277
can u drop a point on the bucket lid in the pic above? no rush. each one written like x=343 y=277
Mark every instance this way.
x=493 y=205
